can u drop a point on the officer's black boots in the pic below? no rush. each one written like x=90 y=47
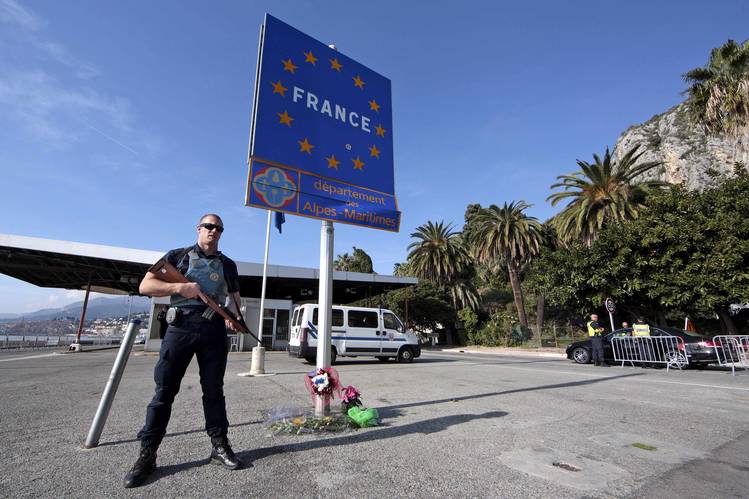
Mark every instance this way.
x=143 y=467
x=223 y=455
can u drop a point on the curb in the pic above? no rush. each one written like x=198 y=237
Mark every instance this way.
x=506 y=352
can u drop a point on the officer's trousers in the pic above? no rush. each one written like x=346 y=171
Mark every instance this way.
x=207 y=341
x=596 y=343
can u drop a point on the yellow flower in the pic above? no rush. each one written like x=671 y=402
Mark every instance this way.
x=297 y=421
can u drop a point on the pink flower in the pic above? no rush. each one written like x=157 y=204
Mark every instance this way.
x=350 y=394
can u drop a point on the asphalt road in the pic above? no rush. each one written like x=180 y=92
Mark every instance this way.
x=454 y=425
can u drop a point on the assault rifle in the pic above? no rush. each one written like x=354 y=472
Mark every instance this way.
x=165 y=271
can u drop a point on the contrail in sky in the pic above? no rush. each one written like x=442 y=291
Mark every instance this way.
x=110 y=138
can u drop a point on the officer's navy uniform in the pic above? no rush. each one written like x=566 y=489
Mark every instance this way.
x=190 y=333
x=596 y=342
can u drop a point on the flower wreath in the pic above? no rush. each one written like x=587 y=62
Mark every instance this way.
x=323 y=382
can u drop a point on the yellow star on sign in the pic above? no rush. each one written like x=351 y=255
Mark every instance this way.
x=334 y=64
x=332 y=162
x=380 y=131
x=305 y=146
x=358 y=164
x=374 y=106
x=284 y=118
x=373 y=151
x=308 y=57
x=278 y=88
x=358 y=82
x=289 y=66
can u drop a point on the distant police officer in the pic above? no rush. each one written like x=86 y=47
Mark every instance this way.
x=595 y=331
x=191 y=332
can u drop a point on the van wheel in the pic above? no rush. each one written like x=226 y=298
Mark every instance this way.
x=383 y=359
x=405 y=355
x=311 y=360
x=333 y=355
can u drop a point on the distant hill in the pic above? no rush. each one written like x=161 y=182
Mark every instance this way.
x=98 y=308
x=687 y=153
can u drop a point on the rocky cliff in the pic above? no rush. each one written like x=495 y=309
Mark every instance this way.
x=686 y=152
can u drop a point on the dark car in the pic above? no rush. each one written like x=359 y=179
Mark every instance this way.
x=700 y=350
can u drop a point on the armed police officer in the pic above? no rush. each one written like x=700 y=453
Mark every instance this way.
x=192 y=330
x=595 y=330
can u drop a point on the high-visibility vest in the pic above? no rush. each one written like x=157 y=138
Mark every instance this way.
x=640 y=330
x=591 y=330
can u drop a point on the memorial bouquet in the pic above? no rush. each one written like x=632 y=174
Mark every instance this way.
x=322 y=383
x=352 y=406
x=350 y=397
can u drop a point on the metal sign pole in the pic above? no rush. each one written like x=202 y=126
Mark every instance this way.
x=324 y=307
x=611 y=318
x=97 y=426
x=257 y=365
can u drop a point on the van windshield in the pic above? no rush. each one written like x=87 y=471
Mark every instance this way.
x=390 y=321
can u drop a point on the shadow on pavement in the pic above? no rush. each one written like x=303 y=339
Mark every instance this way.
x=509 y=392
x=187 y=432
x=248 y=457
x=381 y=433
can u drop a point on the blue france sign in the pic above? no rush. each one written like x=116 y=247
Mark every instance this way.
x=321 y=143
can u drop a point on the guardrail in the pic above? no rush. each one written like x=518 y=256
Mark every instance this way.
x=732 y=350
x=11 y=341
x=666 y=350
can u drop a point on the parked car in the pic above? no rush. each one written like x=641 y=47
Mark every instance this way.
x=700 y=350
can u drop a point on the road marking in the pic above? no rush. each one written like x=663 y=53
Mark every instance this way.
x=700 y=385
x=30 y=357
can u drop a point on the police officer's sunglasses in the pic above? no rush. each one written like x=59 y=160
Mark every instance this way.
x=210 y=227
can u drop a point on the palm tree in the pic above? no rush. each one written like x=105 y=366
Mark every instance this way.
x=509 y=236
x=601 y=192
x=343 y=262
x=401 y=269
x=719 y=92
x=440 y=256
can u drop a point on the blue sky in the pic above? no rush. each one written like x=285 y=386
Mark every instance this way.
x=122 y=122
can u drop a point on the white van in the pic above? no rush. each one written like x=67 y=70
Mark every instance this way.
x=356 y=332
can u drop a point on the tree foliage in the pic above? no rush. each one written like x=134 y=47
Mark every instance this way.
x=688 y=253
x=601 y=192
x=509 y=236
x=359 y=261
x=427 y=308
x=440 y=256
x=719 y=92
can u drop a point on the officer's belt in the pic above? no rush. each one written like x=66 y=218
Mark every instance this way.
x=187 y=310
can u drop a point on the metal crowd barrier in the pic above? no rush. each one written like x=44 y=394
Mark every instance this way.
x=20 y=341
x=732 y=350
x=666 y=350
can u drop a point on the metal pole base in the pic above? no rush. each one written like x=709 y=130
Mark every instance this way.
x=322 y=406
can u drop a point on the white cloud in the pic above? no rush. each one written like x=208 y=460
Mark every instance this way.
x=54 y=102
x=58 y=53
x=55 y=113
x=12 y=12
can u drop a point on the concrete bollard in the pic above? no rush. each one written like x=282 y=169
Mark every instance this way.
x=258 y=361
x=257 y=366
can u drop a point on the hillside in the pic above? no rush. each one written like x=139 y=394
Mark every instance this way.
x=687 y=153
x=98 y=308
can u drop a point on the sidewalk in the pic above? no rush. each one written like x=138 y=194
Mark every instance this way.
x=509 y=351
